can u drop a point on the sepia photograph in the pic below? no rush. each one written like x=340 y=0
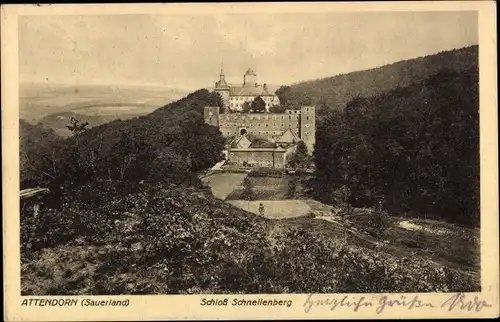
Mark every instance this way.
x=244 y=153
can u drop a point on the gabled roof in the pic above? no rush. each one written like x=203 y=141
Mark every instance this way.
x=258 y=90
x=288 y=136
x=241 y=142
x=247 y=141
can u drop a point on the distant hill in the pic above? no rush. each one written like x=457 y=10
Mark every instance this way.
x=51 y=104
x=336 y=91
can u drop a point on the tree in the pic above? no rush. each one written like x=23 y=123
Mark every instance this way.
x=341 y=198
x=300 y=159
x=246 y=107
x=76 y=127
x=406 y=145
x=292 y=187
x=258 y=105
x=283 y=94
x=79 y=164
x=247 y=193
x=277 y=109
x=220 y=104
x=40 y=155
x=125 y=154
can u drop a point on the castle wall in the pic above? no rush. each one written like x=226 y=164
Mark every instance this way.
x=267 y=124
x=271 y=125
x=269 y=159
x=236 y=101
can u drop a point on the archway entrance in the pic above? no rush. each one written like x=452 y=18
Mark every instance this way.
x=243 y=131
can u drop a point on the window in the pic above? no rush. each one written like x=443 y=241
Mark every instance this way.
x=282 y=117
x=267 y=125
x=307 y=117
x=232 y=105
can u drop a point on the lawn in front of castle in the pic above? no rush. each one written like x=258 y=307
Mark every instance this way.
x=283 y=195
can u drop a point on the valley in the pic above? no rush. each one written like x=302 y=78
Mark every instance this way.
x=53 y=105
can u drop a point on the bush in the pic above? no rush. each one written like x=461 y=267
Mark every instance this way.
x=267 y=172
x=167 y=240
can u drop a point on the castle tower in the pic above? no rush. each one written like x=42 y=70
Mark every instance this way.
x=250 y=78
x=308 y=126
x=222 y=88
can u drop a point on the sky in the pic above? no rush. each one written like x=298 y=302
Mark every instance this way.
x=186 y=51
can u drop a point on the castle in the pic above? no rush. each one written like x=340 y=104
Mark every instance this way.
x=259 y=139
x=234 y=96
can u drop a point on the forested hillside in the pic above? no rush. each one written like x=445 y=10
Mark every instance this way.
x=414 y=149
x=133 y=218
x=172 y=143
x=335 y=92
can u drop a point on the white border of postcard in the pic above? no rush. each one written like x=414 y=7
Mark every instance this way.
x=178 y=307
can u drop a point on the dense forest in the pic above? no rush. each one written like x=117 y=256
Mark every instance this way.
x=171 y=144
x=414 y=148
x=128 y=214
x=336 y=91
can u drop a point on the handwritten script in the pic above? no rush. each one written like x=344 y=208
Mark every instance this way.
x=457 y=301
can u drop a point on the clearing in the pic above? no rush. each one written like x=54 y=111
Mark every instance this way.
x=274 y=209
x=222 y=184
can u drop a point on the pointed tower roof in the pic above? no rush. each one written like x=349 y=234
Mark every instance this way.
x=221 y=83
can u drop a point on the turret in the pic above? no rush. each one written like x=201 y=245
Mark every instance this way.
x=222 y=88
x=308 y=126
x=250 y=78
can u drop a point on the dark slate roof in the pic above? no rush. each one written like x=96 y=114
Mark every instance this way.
x=249 y=91
x=221 y=84
x=256 y=142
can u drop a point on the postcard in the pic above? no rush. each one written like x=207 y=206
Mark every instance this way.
x=201 y=161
